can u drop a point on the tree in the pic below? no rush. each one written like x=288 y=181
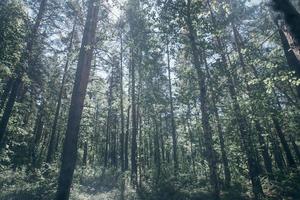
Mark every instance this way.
x=173 y=125
x=52 y=144
x=291 y=29
x=69 y=154
x=24 y=60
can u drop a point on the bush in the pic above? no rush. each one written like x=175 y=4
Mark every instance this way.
x=24 y=184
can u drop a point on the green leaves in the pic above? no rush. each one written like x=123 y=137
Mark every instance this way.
x=5 y=71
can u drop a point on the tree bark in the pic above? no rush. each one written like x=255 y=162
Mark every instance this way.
x=226 y=169
x=126 y=140
x=122 y=108
x=264 y=149
x=108 y=145
x=191 y=137
x=156 y=151
x=173 y=125
x=69 y=155
x=291 y=19
x=207 y=130
x=37 y=132
x=295 y=147
x=134 y=125
x=289 y=157
x=277 y=153
x=227 y=173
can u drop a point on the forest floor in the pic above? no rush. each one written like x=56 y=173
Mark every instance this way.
x=91 y=184
x=107 y=185
x=95 y=194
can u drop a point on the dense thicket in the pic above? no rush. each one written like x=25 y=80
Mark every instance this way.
x=170 y=100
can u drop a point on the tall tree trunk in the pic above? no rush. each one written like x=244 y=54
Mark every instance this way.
x=227 y=173
x=122 y=107
x=289 y=157
x=291 y=58
x=291 y=19
x=295 y=147
x=69 y=155
x=277 y=153
x=274 y=113
x=37 y=132
x=109 y=133
x=264 y=149
x=134 y=125
x=135 y=60
x=126 y=140
x=246 y=139
x=173 y=125
x=162 y=143
x=114 y=161
x=191 y=137
x=292 y=61
x=52 y=143
x=156 y=151
x=207 y=130
x=8 y=110
x=226 y=169
x=141 y=162
x=242 y=123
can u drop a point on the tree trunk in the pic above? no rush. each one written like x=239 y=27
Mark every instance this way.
x=264 y=149
x=191 y=137
x=8 y=110
x=108 y=145
x=114 y=161
x=292 y=22
x=37 y=132
x=140 y=161
x=134 y=125
x=207 y=130
x=156 y=151
x=291 y=58
x=122 y=108
x=173 y=125
x=295 y=147
x=246 y=139
x=227 y=173
x=292 y=61
x=126 y=140
x=278 y=157
x=52 y=143
x=6 y=91
x=289 y=157
x=69 y=155
x=226 y=169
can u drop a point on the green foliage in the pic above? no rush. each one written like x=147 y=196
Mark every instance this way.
x=27 y=184
x=13 y=30
x=263 y=85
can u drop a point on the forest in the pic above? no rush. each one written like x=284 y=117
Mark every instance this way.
x=149 y=99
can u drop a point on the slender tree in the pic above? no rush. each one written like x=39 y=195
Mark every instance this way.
x=173 y=125
x=52 y=144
